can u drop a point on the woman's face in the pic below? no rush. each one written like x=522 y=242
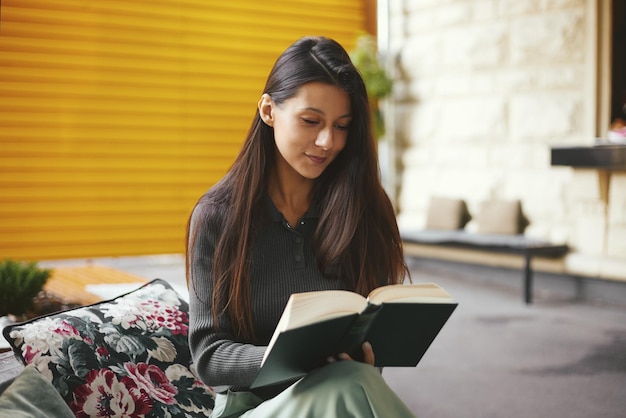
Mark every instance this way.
x=310 y=128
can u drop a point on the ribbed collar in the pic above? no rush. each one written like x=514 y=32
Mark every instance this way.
x=311 y=213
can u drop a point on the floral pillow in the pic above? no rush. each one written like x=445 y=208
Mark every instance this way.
x=128 y=356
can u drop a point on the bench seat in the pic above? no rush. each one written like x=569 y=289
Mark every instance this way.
x=512 y=244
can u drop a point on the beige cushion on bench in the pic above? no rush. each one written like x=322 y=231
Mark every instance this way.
x=447 y=213
x=501 y=217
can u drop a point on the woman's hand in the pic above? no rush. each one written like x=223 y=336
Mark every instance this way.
x=368 y=355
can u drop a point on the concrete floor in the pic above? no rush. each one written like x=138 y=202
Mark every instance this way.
x=496 y=357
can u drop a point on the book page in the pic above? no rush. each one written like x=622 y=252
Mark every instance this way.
x=409 y=293
x=310 y=307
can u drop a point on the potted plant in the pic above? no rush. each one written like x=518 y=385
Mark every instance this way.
x=20 y=283
x=377 y=82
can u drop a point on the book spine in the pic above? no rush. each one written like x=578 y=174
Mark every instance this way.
x=355 y=336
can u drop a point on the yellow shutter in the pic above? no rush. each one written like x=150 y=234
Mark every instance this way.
x=115 y=116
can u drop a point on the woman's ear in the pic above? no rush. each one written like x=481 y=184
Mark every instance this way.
x=266 y=105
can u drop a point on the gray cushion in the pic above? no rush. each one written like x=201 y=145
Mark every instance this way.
x=32 y=395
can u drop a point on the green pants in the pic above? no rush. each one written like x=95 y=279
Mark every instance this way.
x=344 y=389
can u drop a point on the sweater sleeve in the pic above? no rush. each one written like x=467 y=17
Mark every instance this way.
x=219 y=359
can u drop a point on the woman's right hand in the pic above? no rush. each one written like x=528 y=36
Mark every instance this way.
x=368 y=355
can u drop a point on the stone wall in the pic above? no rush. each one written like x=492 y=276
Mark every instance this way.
x=483 y=89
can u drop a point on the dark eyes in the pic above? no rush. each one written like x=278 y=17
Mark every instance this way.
x=341 y=127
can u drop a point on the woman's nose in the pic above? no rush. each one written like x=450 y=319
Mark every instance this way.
x=325 y=139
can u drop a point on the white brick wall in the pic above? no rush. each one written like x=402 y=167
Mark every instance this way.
x=548 y=38
x=617 y=201
x=484 y=88
x=541 y=116
x=616 y=239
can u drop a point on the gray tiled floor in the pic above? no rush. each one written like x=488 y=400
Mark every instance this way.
x=496 y=357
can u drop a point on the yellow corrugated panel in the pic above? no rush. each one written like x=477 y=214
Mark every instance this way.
x=116 y=115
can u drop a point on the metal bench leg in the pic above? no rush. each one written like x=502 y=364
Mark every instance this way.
x=528 y=278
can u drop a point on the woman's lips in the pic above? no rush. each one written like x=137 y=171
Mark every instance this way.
x=316 y=160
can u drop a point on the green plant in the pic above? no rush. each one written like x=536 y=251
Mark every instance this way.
x=377 y=82
x=20 y=282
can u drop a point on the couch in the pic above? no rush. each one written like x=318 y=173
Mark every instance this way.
x=128 y=356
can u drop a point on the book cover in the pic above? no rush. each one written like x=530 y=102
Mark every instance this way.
x=400 y=334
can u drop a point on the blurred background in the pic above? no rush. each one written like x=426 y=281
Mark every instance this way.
x=116 y=116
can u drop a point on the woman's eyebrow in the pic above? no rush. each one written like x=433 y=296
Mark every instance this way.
x=321 y=112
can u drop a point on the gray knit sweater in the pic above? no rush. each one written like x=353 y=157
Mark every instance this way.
x=282 y=264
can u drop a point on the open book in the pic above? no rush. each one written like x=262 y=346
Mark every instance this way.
x=400 y=321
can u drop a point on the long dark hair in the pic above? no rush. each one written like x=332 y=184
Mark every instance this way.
x=357 y=232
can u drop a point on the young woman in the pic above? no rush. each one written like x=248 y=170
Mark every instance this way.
x=301 y=209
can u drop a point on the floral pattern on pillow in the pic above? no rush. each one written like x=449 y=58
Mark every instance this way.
x=127 y=357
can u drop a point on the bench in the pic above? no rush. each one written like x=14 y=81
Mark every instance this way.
x=72 y=283
x=511 y=244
